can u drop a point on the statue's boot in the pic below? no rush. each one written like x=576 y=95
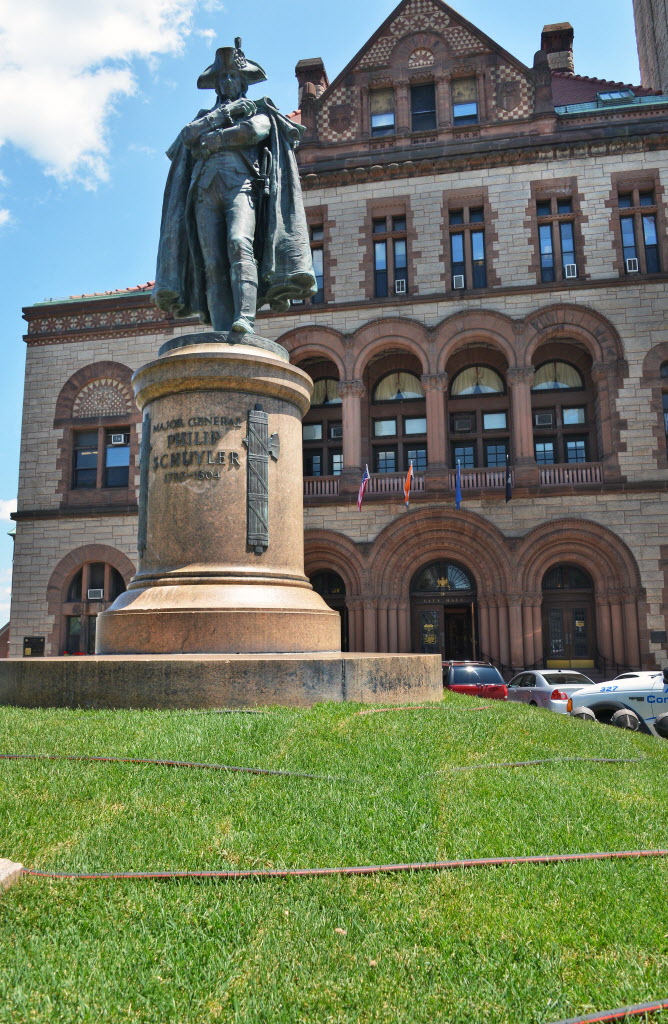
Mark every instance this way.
x=244 y=287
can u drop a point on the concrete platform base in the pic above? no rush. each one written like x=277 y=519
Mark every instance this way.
x=9 y=873
x=164 y=682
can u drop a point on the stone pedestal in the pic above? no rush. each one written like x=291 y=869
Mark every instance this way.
x=221 y=549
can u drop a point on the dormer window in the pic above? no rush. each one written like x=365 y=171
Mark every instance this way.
x=381 y=107
x=423 y=108
x=615 y=96
x=464 y=101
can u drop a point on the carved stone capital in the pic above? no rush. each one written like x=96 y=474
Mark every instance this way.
x=351 y=389
x=434 y=381
x=518 y=375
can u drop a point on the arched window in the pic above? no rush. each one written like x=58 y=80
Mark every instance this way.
x=477 y=380
x=442 y=578
x=398 y=387
x=479 y=424
x=90 y=591
x=557 y=376
x=562 y=411
x=398 y=431
x=322 y=428
x=568 y=617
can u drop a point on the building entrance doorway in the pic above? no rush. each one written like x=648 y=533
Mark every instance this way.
x=443 y=612
x=569 y=639
x=332 y=589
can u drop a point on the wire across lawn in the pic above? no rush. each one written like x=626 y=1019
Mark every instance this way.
x=516 y=945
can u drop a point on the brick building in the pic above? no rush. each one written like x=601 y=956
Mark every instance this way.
x=491 y=245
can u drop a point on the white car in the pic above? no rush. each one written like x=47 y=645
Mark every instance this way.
x=547 y=687
x=634 y=700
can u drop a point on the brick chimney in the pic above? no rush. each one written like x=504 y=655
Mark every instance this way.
x=313 y=81
x=557 y=42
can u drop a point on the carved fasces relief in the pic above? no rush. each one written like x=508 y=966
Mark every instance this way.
x=260 y=448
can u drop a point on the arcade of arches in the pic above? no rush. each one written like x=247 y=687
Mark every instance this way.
x=567 y=594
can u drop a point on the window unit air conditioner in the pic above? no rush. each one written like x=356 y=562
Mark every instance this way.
x=543 y=419
x=400 y=287
x=570 y=270
x=118 y=438
x=458 y=281
x=462 y=424
x=632 y=266
x=96 y=595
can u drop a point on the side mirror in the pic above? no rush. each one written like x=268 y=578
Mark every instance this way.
x=665 y=676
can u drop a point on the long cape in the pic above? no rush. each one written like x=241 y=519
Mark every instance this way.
x=285 y=266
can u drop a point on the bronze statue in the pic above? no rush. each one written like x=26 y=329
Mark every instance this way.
x=233 y=235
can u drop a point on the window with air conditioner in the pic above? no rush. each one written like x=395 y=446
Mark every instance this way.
x=632 y=265
x=463 y=423
x=458 y=281
x=400 y=287
x=570 y=270
x=543 y=419
x=95 y=594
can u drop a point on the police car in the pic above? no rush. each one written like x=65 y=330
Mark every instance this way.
x=633 y=700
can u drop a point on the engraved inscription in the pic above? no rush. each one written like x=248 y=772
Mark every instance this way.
x=184 y=454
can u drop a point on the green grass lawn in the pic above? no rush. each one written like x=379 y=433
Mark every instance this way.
x=512 y=945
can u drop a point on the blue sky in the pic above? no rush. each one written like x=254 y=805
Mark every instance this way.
x=93 y=91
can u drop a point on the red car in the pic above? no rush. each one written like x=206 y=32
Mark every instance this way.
x=477 y=678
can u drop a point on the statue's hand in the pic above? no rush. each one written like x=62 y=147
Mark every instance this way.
x=241 y=108
x=211 y=142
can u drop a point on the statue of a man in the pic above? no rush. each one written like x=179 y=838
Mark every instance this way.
x=233 y=235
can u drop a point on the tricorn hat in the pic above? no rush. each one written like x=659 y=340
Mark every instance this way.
x=231 y=58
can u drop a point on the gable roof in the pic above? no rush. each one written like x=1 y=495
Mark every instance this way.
x=569 y=88
x=419 y=16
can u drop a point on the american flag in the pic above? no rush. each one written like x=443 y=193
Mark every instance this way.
x=366 y=476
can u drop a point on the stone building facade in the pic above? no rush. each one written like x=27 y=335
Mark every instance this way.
x=491 y=246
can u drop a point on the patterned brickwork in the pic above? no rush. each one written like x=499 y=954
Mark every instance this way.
x=337 y=121
x=513 y=93
x=421 y=16
x=102 y=398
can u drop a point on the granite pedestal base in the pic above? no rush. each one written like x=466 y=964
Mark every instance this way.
x=168 y=682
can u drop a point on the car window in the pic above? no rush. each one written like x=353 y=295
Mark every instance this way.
x=569 y=678
x=516 y=681
x=476 y=674
x=528 y=679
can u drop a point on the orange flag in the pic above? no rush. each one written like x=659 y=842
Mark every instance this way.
x=408 y=482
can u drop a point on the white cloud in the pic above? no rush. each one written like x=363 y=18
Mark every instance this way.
x=6 y=507
x=64 y=64
x=206 y=33
x=5 y=217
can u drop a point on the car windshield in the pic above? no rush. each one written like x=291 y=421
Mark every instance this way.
x=475 y=674
x=568 y=678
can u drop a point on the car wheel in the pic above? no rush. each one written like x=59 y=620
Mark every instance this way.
x=532 y=704
x=661 y=725
x=584 y=714
x=625 y=719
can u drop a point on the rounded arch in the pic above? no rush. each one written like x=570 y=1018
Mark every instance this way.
x=106 y=370
x=580 y=542
x=482 y=327
x=654 y=360
x=329 y=550
x=434 y=534
x=315 y=343
x=373 y=338
x=580 y=323
x=64 y=571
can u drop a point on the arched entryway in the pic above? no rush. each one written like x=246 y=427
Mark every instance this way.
x=443 y=611
x=332 y=589
x=568 y=616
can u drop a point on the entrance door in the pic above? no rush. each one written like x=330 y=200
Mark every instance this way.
x=568 y=631
x=444 y=629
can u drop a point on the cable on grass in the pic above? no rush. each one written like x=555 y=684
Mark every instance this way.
x=620 y=1014
x=531 y=764
x=167 y=764
x=375 y=869
x=414 y=707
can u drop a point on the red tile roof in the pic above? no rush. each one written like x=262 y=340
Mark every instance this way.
x=570 y=88
x=116 y=291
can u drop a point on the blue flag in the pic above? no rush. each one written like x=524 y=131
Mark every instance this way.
x=458 y=486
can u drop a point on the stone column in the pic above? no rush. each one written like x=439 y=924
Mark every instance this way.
x=403 y=113
x=365 y=117
x=617 y=630
x=382 y=626
x=483 y=623
x=504 y=639
x=515 y=626
x=527 y=632
x=604 y=376
x=443 y=112
x=494 y=651
x=393 y=627
x=351 y=393
x=603 y=627
x=404 y=627
x=630 y=609
x=355 y=624
x=536 y=612
x=519 y=380
x=370 y=623
x=435 y=386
